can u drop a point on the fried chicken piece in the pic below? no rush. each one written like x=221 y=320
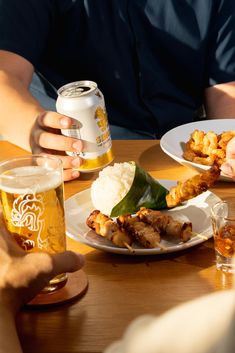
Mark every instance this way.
x=224 y=138
x=192 y=187
x=168 y=227
x=209 y=160
x=107 y=228
x=210 y=141
x=188 y=153
x=207 y=148
x=144 y=233
x=203 y=148
x=196 y=141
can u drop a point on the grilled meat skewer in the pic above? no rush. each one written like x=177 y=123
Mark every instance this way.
x=144 y=233
x=192 y=187
x=168 y=227
x=106 y=227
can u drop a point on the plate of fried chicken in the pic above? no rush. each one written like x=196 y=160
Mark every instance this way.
x=200 y=144
x=147 y=232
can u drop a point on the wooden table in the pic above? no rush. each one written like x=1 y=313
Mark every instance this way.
x=122 y=287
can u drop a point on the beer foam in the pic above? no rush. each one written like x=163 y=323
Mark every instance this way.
x=29 y=180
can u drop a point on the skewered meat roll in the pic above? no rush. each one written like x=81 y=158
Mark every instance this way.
x=192 y=187
x=146 y=227
x=107 y=228
x=168 y=227
x=144 y=233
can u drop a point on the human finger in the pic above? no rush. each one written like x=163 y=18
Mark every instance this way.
x=35 y=264
x=54 y=120
x=70 y=166
x=69 y=162
x=67 y=261
x=57 y=142
x=71 y=174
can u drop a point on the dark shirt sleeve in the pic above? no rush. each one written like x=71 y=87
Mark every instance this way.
x=24 y=27
x=221 y=48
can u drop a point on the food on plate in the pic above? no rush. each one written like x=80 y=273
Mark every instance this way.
x=109 y=229
x=147 y=227
x=140 y=231
x=168 y=227
x=186 y=190
x=207 y=148
x=125 y=188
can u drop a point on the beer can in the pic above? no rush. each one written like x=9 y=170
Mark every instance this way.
x=84 y=102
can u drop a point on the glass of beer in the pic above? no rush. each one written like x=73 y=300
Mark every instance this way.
x=32 y=198
x=223 y=223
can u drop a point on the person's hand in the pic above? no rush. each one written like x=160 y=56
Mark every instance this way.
x=46 y=138
x=23 y=275
x=228 y=167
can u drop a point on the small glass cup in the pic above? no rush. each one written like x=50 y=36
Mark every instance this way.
x=223 y=223
x=32 y=198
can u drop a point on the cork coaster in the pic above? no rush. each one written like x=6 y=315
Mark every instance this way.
x=75 y=287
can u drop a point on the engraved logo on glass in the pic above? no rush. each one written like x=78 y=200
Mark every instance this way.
x=27 y=213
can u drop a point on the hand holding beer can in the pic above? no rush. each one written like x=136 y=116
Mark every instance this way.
x=84 y=102
x=32 y=198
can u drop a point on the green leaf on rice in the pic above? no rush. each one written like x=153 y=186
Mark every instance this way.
x=145 y=191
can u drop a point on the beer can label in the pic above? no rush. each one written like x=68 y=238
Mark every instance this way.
x=96 y=138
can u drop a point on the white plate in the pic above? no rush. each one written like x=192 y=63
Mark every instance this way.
x=79 y=206
x=173 y=142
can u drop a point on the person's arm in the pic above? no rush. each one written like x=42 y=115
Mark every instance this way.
x=24 y=122
x=19 y=108
x=220 y=101
x=22 y=276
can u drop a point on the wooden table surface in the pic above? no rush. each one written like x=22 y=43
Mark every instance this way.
x=122 y=287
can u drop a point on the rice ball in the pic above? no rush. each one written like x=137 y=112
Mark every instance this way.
x=111 y=186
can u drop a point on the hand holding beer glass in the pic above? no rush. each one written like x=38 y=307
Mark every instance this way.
x=223 y=222
x=32 y=198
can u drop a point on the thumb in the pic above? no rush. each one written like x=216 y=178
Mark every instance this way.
x=67 y=261
x=41 y=267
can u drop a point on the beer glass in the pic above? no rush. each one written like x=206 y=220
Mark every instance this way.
x=223 y=222
x=32 y=198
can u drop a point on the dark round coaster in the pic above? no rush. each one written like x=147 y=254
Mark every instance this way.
x=75 y=287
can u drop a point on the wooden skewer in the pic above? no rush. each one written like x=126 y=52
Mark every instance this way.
x=202 y=236
x=129 y=247
x=162 y=247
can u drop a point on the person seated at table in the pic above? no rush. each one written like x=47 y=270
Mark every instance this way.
x=157 y=64
x=204 y=325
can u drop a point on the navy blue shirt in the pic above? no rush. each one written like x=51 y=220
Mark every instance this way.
x=152 y=59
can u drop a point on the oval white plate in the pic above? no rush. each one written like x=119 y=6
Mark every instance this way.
x=173 y=142
x=79 y=206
